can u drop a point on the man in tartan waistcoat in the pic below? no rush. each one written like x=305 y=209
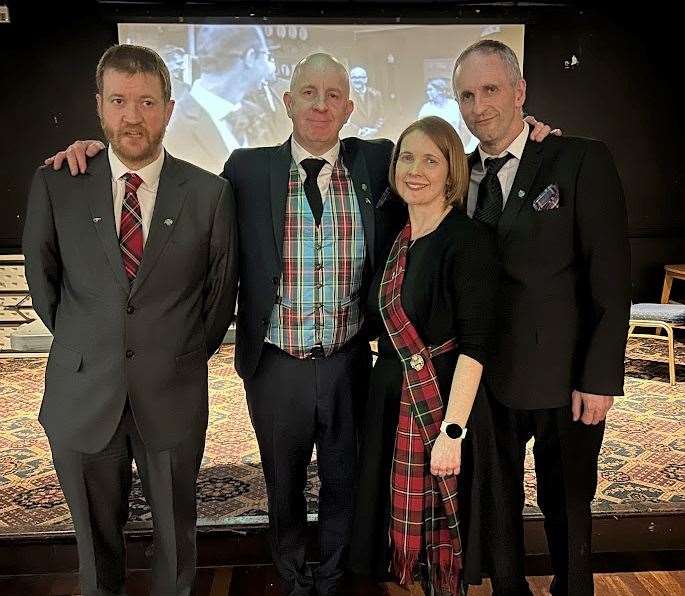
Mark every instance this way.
x=301 y=345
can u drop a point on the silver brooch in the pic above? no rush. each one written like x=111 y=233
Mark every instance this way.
x=416 y=362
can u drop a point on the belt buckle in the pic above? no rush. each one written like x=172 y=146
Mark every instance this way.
x=317 y=353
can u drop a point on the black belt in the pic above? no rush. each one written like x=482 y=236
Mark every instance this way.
x=317 y=352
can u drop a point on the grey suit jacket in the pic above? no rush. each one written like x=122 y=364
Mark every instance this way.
x=150 y=342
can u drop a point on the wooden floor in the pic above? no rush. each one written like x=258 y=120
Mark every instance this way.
x=262 y=581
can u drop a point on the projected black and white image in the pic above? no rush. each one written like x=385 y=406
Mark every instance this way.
x=228 y=80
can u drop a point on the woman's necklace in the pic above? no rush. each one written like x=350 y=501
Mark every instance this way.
x=432 y=228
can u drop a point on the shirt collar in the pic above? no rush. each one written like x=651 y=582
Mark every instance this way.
x=217 y=107
x=299 y=152
x=515 y=148
x=149 y=174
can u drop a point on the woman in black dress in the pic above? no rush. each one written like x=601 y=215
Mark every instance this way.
x=447 y=270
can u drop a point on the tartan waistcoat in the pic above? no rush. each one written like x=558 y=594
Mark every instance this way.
x=318 y=299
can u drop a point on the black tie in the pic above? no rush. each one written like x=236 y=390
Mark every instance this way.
x=312 y=167
x=490 y=200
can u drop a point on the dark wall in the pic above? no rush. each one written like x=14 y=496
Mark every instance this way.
x=47 y=68
x=622 y=91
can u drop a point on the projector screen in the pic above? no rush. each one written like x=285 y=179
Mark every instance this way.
x=228 y=80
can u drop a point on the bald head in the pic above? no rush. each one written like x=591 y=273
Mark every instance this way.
x=318 y=102
x=317 y=63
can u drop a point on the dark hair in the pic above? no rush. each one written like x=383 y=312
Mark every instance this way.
x=133 y=60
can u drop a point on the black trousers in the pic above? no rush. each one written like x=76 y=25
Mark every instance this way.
x=96 y=487
x=566 y=455
x=295 y=405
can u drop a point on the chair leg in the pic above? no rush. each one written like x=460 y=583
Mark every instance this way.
x=671 y=356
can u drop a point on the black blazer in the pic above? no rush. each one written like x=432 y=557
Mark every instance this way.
x=150 y=342
x=259 y=179
x=564 y=302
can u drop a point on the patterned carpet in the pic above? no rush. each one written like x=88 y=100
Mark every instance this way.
x=14 y=300
x=642 y=464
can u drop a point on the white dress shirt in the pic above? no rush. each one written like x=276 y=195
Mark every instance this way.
x=324 y=179
x=506 y=174
x=147 y=192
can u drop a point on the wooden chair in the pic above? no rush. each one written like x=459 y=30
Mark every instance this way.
x=660 y=317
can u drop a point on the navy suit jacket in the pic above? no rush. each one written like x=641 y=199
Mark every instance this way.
x=259 y=180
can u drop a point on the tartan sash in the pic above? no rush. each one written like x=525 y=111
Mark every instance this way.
x=423 y=506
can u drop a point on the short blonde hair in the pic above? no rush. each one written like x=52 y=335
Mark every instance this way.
x=442 y=133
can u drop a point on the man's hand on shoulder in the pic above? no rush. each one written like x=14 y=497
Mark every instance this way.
x=539 y=130
x=77 y=155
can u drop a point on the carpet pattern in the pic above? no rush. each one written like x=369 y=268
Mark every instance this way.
x=642 y=464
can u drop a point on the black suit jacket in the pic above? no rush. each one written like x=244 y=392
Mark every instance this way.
x=149 y=342
x=259 y=179
x=564 y=301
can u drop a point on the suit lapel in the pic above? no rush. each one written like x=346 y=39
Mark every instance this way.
x=97 y=188
x=356 y=164
x=279 y=176
x=472 y=159
x=518 y=196
x=171 y=194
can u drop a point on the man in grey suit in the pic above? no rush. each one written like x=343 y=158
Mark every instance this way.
x=132 y=266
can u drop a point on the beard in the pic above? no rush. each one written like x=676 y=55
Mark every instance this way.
x=144 y=151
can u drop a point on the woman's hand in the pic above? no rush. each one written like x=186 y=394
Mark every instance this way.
x=446 y=456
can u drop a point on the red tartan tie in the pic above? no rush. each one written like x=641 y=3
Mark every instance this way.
x=131 y=227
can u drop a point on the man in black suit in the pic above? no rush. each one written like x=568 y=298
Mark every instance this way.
x=557 y=209
x=311 y=235
x=132 y=267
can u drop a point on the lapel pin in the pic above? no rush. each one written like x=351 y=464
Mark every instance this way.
x=168 y=222
x=522 y=193
x=363 y=186
x=97 y=219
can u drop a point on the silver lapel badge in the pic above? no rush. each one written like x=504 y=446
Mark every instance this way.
x=97 y=219
x=168 y=222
